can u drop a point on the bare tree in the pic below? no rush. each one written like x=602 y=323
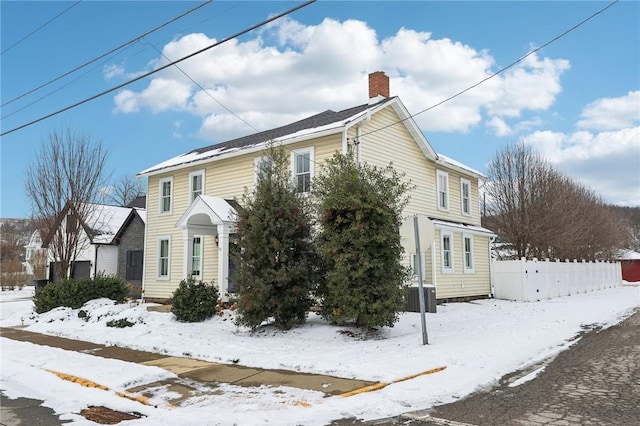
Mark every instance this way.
x=541 y=213
x=65 y=178
x=125 y=190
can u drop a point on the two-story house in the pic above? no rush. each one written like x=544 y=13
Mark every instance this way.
x=190 y=204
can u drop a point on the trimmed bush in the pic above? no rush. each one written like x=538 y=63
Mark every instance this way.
x=73 y=293
x=194 y=301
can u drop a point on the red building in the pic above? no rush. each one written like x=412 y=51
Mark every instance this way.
x=630 y=261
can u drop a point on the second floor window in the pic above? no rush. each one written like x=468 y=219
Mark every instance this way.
x=262 y=167
x=465 y=195
x=443 y=189
x=302 y=169
x=196 y=185
x=166 y=189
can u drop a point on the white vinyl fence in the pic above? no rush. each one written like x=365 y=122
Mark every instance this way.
x=533 y=280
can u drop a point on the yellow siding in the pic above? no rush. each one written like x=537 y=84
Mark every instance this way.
x=228 y=178
x=395 y=145
x=459 y=283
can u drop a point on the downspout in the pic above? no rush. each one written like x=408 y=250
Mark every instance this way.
x=95 y=262
x=359 y=134
x=144 y=247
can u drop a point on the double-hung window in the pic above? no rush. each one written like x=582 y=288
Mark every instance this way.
x=262 y=167
x=467 y=241
x=302 y=168
x=447 y=251
x=417 y=261
x=465 y=196
x=164 y=253
x=196 y=257
x=166 y=191
x=196 y=184
x=443 y=190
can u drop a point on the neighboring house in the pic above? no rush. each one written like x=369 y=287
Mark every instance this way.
x=33 y=254
x=190 y=213
x=630 y=263
x=111 y=242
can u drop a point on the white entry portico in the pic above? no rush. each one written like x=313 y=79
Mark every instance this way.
x=214 y=216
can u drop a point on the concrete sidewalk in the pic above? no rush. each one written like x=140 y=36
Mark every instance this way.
x=193 y=369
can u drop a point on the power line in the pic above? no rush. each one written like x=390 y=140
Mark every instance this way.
x=203 y=89
x=494 y=74
x=39 y=28
x=109 y=52
x=238 y=34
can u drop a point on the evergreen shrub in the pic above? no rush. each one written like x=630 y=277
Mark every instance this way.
x=194 y=301
x=75 y=292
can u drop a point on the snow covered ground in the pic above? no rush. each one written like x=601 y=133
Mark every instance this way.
x=478 y=342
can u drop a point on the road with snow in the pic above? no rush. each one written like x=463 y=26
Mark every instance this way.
x=595 y=382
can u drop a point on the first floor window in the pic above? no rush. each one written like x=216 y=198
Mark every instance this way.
x=468 y=252
x=416 y=262
x=163 y=258
x=134 y=265
x=196 y=257
x=447 y=252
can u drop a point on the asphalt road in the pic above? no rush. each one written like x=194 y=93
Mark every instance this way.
x=595 y=382
x=27 y=412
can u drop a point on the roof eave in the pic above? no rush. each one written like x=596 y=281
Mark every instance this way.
x=249 y=150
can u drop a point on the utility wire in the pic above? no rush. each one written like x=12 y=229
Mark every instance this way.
x=238 y=34
x=109 y=52
x=203 y=89
x=494 y=74
x=39 y=28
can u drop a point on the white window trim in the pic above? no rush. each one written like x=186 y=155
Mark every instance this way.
x=294 y=153
x=191 y=175
x=168 y=276
x=160 y=195
x=199 y=276
x=451 y=269
x=440 y=173
x=256 y=167
x=463 y=182
x=468 y=270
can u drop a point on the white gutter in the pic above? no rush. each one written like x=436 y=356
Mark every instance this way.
x=461 y=170
x=242 y=151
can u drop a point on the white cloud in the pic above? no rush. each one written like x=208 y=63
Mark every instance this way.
x=499 y=127
x=161 y=95
x=612 y=113
x=607 y=162
x=289 y=69
x=112 y=70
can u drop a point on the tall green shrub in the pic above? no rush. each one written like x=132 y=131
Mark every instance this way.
x=276 y=264
x=360 y=213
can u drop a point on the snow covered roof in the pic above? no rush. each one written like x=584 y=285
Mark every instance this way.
x=628 y=255
x=456 y=164
x=474 y=229
x=105 y=222
x=324 y=122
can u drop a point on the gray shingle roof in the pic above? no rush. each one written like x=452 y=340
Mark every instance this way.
x=318 y=120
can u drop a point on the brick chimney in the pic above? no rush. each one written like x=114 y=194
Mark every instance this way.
x=378 y=84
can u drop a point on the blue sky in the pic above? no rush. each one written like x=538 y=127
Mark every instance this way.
x=577 y=101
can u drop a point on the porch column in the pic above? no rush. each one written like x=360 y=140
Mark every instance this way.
x=187 y=248
x=223 y=260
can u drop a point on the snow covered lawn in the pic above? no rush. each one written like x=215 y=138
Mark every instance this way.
x=478 y=342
